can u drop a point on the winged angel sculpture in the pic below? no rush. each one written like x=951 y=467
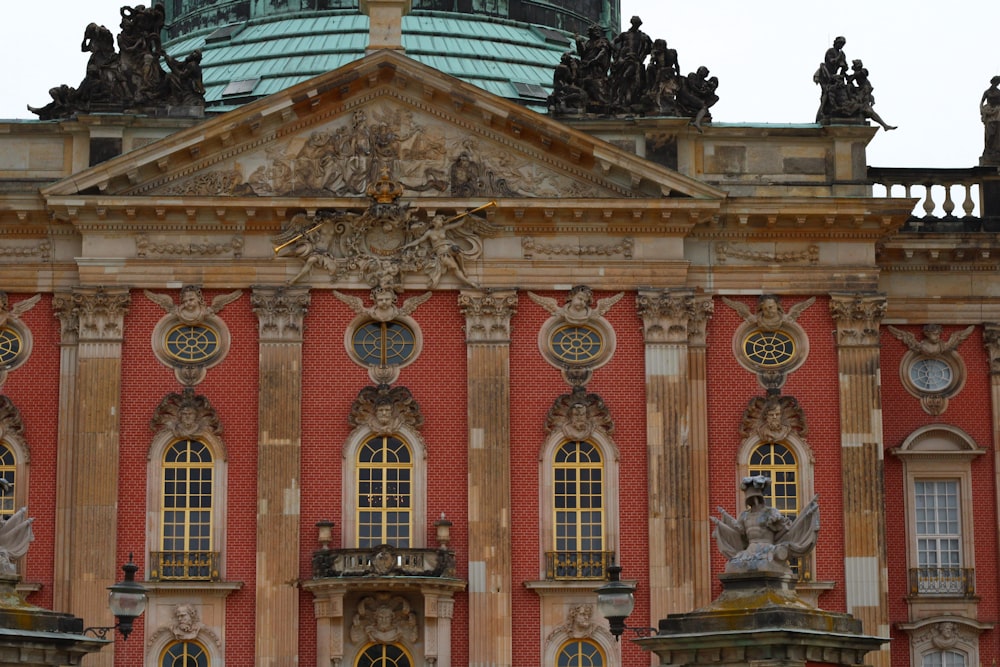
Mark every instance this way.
x=192 y=308
x=763 y=539
x=579 y=307
x=769 y=315
x=15 y=536
x=932 y=345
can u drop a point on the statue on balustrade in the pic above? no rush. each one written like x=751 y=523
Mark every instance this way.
x=845 y=96
x=763 y=539
x=131 y=79
x=696 y=95
x=989 y=109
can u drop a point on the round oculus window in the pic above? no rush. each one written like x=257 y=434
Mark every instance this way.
x=11 y=346
x=931 y=375
x=576 y=345
x=769 y=349
x=192 y=343
x=384 y=343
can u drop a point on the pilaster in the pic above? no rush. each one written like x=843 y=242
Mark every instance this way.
x=87 y=510
x=991 y=340
x=857 y=317
x=674 y=322
x=487 y=334
x=280 y=312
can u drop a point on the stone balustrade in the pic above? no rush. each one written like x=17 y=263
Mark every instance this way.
x=949 y=200
x=383 y=561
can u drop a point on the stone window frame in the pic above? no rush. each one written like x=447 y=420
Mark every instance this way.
x=796 y=333
x=161 y=653
x=806 y=464
x=546 y=498
x=167 y=323
x=925 y=637
x=551 y=326
x=370 y=645
x=22 y=460
x=27 y=344
x=387 y=374
x=154 y=494
x=939 y=452
x=418 y=484
x=561 y=646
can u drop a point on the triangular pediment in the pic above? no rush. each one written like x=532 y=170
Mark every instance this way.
x=332 y=136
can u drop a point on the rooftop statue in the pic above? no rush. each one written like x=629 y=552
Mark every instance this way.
x=614 y=77
x=763 y=539
x=132 y=78
x=989 y=110
x=845 y=96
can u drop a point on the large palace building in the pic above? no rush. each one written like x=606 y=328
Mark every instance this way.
x=371 y=353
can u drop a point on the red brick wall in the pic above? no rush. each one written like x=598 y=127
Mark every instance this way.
x=815 y=386
x=534 y=387
x=970 y=411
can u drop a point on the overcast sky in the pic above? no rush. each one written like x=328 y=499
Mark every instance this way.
x=929 y=61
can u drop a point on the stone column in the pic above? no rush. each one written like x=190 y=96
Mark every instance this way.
x=280 y=311
x=674 y=324
x=69 y=325
x=991 y=339
x=857 y=317
x=87 y=509
x=487 y=335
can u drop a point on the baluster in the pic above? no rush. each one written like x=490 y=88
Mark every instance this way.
x=929 y=204
x=949 y=205
x=968 y=205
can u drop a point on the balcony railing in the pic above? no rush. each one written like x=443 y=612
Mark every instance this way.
x=945 y=581
x=383 y=561
x=184 y=566
x=578 y=564
x=950 y=200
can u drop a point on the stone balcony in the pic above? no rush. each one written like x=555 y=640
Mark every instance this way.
x=383 y=561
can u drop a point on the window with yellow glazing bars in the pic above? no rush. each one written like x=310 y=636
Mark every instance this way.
x=385 y=490
x=578 y=506
x=7 y=469
x=186 y=543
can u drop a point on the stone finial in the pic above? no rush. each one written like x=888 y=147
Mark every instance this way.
x=385 y=26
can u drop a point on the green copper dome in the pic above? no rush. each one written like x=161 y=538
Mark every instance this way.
x=253 y=48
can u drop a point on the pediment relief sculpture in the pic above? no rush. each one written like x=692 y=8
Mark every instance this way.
x=385 y=410
x=386 y=242
x=425 y=154
x=773 y=419
x=186 y=415
x=578 y=415
x=384 y=618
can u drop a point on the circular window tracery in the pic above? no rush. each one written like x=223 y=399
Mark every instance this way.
x=769 y=349
x=384 y=343
x=11 y=346
x=932 y=375
x=192 y=343
x=576 y=344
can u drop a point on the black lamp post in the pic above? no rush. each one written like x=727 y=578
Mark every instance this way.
x=615 y=601
x=127 y=601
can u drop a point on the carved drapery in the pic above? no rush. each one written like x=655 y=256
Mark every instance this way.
x=92 y=322
x=281 y=312
x=857 y=317
x=674 y=324
x=487 y=318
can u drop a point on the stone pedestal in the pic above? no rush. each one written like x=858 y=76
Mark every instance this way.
x=35 y=637
x=759 y=619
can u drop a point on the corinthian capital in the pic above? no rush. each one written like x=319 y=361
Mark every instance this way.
x=280 y=312
x=487 y=314
x=857 y=315
x=991 y=340
x=92 y=314
x=674 y=315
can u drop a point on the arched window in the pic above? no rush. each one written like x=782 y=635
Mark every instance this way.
x=578 y=488
x=580 y=653
x=777 y=462
x=384 y=493
x=185 y=654
x=186 y=549
x=384 y=655
x=8 y=470
x=943 y=659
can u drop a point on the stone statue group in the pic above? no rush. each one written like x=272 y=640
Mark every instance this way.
x=131 y=78
x=614 y=77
